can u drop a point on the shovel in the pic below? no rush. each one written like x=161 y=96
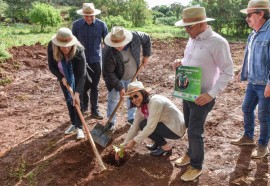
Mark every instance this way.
x=100 y=133
x=100 y=162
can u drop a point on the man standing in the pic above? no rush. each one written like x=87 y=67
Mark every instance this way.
x=256 y=70
x=90 y=31
x=209 y=51
x=121 y=60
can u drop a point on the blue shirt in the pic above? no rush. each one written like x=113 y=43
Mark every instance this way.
x=90 y=37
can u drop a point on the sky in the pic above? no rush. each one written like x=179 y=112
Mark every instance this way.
x=153 y=3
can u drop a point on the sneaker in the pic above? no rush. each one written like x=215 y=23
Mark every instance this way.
x=244 y=140
x=85 y=111
x=96 y=114
x=184 y=160
x=80 y=134
x=130 y=121
x=260 y=152
x=191 y=174
x=70 y=129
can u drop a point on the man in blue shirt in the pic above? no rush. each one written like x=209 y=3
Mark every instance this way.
x=90 y=31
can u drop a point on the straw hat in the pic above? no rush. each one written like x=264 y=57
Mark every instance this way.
x=256 y=4
x=88 y=10
x=193 y=15
x=134 y=87
x=118 y=37
x=64 y=38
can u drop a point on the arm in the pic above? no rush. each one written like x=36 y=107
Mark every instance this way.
x=145 y=41
x=79 y=64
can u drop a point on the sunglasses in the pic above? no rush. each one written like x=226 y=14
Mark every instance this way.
x=133 y=97
x=250 y=14
x=189 y=27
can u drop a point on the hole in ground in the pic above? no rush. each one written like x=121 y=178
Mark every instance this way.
x=109 y=159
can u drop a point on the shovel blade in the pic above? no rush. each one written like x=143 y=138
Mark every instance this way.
x=101 y=135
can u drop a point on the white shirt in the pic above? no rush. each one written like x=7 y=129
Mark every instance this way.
x=211 y=52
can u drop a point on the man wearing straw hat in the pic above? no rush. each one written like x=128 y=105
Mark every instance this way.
x=256 y=70
x=90 y=31
x=121 y=60
x=209 y=51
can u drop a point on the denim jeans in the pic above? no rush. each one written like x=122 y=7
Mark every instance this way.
x=255 y=96
x=113 y=98
x=195 y=117
x=73 y=114
x=160 y=132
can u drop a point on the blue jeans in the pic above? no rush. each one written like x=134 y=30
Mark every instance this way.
x=113 y=98
x=195 y=117
x=255 y=96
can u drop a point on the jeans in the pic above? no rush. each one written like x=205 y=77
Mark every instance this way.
x=73 y=114
x=195 y=117
x=255 y=96
x=161 y=132
x=93 y=91
x=113 y=98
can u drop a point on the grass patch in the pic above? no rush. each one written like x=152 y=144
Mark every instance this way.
x=19 y=172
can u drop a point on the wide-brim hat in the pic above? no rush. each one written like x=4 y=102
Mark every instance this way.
x=192 y=16
x=64 y=38
x=88 y=10
x=136 y=86
x=255 y=5
x=118 y=37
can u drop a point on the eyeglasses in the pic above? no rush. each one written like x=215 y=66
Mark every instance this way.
x=133 y=97
x=250 y=14
x=189 y=27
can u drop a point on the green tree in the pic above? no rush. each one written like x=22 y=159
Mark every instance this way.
x=44 y=15
x=139 y=13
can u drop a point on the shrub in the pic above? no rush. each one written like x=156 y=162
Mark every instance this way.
x=116 y=21
x=166 y=20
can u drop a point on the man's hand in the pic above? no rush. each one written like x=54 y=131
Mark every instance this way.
x=122 y=92
x=203 y=99
x=145 y=60
x=76 y=99
x=267 y=91
x=176 y=64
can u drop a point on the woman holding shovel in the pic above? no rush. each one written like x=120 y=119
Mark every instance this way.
x=67 y=62
x=157 y=118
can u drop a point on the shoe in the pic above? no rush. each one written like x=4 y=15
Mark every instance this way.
x=184 y=160
x=70 y=129
x=80 y=134
x=111 y=126
x=152 y=147
x=130 y=121
x=160 y=152
x=191 y=174
x=244 y=140
x=260 y=152
x=96 y=114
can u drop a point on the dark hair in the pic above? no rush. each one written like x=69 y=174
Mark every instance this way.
x=266 y=13
x=146 y=98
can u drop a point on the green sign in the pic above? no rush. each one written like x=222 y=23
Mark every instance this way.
x=188 y=82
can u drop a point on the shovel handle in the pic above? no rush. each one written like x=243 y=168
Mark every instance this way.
x=100 y=162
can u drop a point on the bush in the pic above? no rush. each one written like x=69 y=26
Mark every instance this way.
x=112 y=21
x=44 y=15
x=166 y=20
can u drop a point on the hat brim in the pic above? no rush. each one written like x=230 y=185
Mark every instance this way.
x=182 y=23
x=244 y=11
x=147 y=89
x=64 y=44
x=96 y=12
x=128 y=38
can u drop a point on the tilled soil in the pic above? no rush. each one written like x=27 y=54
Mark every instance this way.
x=35 y=151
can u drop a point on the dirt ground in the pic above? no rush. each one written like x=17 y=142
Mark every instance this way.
x=35 y=151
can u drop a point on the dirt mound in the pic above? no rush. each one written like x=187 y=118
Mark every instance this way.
x=35 y=151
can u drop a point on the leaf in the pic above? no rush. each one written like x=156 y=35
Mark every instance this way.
x=119 y=150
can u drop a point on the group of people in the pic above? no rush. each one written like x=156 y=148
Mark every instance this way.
x=75 y=58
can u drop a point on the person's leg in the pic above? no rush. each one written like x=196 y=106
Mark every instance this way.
x=94 y=86
x=113 y=98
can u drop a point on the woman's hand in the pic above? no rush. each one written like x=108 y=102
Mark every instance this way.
x=176 y=64
x=122 y=92
x=76 y=99
x=130 y=144
x=64 y=81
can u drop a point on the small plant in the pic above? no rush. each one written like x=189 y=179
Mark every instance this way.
x=119 y=150
x=18 y=173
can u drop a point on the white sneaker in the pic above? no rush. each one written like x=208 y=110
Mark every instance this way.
x=70 y=129
x=80 y=134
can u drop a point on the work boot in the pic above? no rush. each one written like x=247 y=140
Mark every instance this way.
x=96 y=114
x=70 y=129
x=244 y=140
x=191 y=174
x=182 y=161
x=260 y=152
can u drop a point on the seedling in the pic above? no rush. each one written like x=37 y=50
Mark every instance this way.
x=119 y=150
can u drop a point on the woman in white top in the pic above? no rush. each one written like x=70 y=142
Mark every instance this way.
x=157 y=118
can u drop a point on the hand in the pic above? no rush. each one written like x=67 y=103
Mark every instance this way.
x=267 y=91
x=176 y=64
x=130 y=144
x=76 y=99
x=64 y=81
x=203 y=99
x=145 y=60
x=122 y=92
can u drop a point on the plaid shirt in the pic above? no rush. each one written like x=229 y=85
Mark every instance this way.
x=90 y=37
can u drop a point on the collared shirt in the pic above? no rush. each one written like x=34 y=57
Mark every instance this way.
x=90 y=37
x=210 y=52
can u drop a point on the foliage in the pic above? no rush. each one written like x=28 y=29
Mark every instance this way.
x=3 y=8
x=44 y=15
x=138 y=19
x=119 y=150
x=116 y=21
x=166 y=20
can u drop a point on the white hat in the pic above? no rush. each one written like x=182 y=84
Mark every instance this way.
x=88 y=10
x=193 y=15
x=256 y=4
x=118 y=37
x=134 y=87
x=64 y=38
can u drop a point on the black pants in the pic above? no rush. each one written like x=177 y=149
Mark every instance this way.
x=161 y=132
x=92 y=92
